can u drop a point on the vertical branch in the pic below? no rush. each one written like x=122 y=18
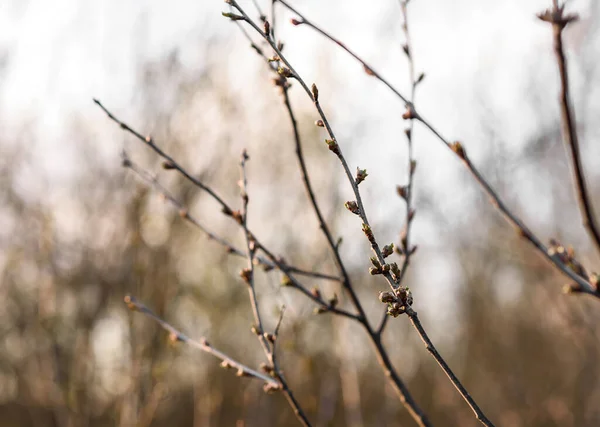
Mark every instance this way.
x=267 y=340
x=406 y=191
x=559 y=21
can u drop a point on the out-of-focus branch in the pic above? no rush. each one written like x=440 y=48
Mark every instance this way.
x=185 y=214
x=266 y=340
x=202 y=345
x=581 y=284
x=559 y=20
x=170 y=163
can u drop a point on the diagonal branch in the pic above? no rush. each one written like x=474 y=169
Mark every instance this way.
x=202 y=345
x=582 y=285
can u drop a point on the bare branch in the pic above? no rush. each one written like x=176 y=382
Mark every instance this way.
x=185 y=214
x=414 y=318
x=558 y=19
x=583 y=286
x=202 y=344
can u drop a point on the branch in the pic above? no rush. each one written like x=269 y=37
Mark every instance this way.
x=399 y=300
x=582 y=285
x=267 y=340
x=440 y=360
x=406 y=191
x=186 y=215
x=289 y=72
x=202 y=345
x=559 y=20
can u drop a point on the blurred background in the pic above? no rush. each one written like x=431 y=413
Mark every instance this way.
x=78 y=232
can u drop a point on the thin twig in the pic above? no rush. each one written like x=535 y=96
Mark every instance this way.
x=267 y=340
x=231 y=249
x=414 y=318
x=406 y=191
x=398 y=385
x=400 y=299
x=583 y=285
x=313 y=94
x=201 y=344
x=559 y=20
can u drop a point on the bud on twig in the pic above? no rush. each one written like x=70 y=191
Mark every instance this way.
x=361 y=174
x=315 y=92
x=420 y=78
x=369 y=233
x=459 y=150
x=402 y=191
x=233 y=16
x=168 y=165
x=333 y=146
x=387 y=250
x=320 y=123
x=285 y=72
x=352 y=206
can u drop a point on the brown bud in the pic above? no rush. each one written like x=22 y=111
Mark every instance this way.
x=402 y=191
x=315 y=92
x=333 y=146
x=458 y=149
x=320 y=123
x=285 y=72
x=315 y=292
x=410 y=112
x=420 y=78
x=369 y=233
x=352 y=206
x=246 y=274
x=373 y=271
x=168 y=165
x=361 y=174
x=387 y=296
x=333 y=302
x=387 y=250
x=295 y=21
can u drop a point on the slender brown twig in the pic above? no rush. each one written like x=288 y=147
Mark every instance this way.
x=406 y=191
x=399 y=300
x=559 y=20
x=201 y=344
x=231 y=249
x=288 y=71
x=375 y=335
x=414 y=318
x=267 y=340
x=582 y=285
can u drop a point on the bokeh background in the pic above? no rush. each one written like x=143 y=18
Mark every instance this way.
x=78 y=232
